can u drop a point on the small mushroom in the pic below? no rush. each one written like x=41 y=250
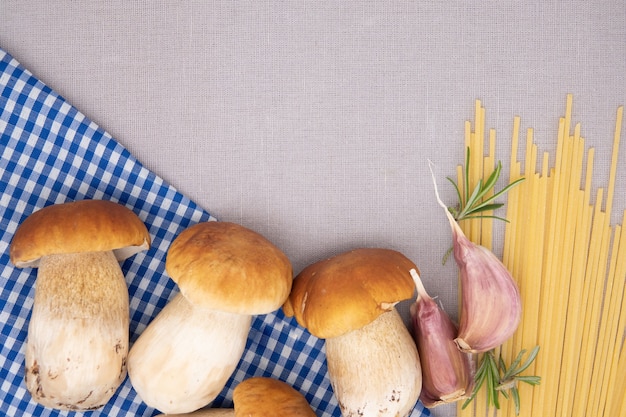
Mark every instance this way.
x=349 y=300
x=78 y=333
x=226 y=273
x=260 y=397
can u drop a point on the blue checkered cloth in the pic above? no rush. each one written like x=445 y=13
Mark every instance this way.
x=51 y=153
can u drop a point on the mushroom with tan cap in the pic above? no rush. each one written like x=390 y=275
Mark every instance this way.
x=260 y=397
x=349 y=300
x=78 y=333
x=226 y=273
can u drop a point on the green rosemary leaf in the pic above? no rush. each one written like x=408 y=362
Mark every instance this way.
x=446 y=255
x=504 y=190
x=471 y=201
x=501 y=364
x=466 y=179
x=493 y=177
x=479 y=381
x=468 y=401
x=484 y=216
x=473 y=197
x=492 y=380
x=493 y=394
x=516 y=400
x=513 y=367
x=531 y=357
x=532 y=380
x=483 y=207
x=491 y=182
x=456 y=188
x=492 y=364
x=482 y=369
x=490 y=388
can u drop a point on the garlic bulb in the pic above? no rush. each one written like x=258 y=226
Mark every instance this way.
x=447 y=374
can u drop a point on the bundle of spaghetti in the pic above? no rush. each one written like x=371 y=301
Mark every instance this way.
x=570 y=265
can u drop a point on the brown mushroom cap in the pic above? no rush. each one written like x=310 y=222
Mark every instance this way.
x=227 y=267
x=346 y=292
x=268 y=397
x=76 y=227
x=259 y=397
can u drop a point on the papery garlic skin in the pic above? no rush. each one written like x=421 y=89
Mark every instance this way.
x=447 y=374
x=491 y=306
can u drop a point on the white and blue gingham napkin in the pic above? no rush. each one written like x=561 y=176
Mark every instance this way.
x=51 y=153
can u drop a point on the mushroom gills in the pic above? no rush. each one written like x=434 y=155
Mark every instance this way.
x=78 y=332
x=382 y=353
x=184 y=358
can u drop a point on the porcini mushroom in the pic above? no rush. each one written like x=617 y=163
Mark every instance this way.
x=260 y=397
x=226 y=273
x=349 y=300
x=78 y=333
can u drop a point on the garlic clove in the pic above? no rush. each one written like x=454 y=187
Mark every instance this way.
x=491 y=306
x=447 y=374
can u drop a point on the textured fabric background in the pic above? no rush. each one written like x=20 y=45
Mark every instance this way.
x=50 y=153
x=312 y=121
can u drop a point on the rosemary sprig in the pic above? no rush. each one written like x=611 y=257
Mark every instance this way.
x=471 y=206
x=498 y=379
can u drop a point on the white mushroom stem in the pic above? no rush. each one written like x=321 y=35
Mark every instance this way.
x=78 y=332
x=375 y=371
x=184 y=358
